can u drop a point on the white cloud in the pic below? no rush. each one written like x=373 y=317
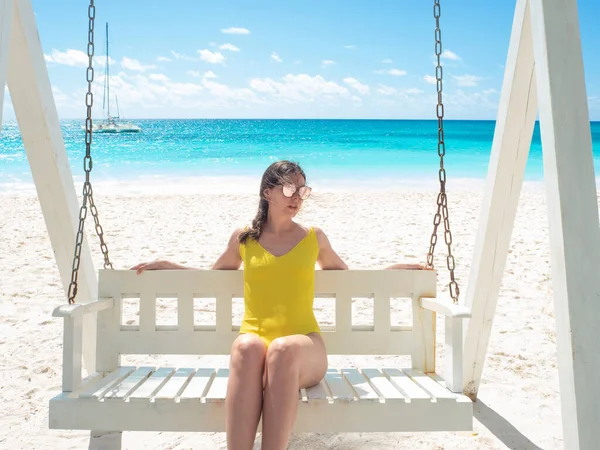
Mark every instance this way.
x=212 y=57
x=362 y=89
x=230 y=47
x=158 y=77
x=351 y=47
x=393 y=92
x=387 y=61
x=182 y=57
x=393 y=72
x=134 y=64
x=163 y=59
x=209 y=74
x=467 y=80
x=74 y=58
x=227 y=93
x=387 y=90
x=235 y=30
x=327 y=63
x=299 y=88
x=430 y=79
x=276 y=57
x=450 y=55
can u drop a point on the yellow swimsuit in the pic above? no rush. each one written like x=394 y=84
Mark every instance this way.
x=279 y=290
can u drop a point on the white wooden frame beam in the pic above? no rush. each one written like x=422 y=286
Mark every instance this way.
x=545 y=40
x=6 y=7
x=572 y=213
x=510 y=148
x=34 y=106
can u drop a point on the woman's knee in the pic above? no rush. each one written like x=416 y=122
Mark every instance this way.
x=248 y=349
x=282 y=354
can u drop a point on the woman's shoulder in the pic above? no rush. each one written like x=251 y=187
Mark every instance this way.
x=318 y=232
x=234 y=239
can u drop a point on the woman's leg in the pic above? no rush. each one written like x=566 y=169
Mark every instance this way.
x=243 y=401
x=293 y=362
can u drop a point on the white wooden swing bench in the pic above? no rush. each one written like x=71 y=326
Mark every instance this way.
x=385 y=399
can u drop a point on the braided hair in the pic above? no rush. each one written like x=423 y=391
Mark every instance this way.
x=276 y=174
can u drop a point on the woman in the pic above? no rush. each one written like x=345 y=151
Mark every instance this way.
x=279 y=349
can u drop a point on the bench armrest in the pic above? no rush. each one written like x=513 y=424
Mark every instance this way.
x=455 y=315
x=73 y=338
x=80 y=310
x=446 y=308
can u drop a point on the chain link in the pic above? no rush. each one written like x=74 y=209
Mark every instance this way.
x=442 y=200
x=87 y=166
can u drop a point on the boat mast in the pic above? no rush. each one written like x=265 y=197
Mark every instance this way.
x=107 y=75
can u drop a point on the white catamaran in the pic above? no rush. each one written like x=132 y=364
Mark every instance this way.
x=112 y=124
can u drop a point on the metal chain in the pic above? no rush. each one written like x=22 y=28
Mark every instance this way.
x=87 y=166
x=442 y=199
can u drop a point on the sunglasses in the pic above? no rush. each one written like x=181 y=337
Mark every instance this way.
x=290 y=189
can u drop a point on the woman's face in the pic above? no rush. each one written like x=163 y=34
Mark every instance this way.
x=286 y=199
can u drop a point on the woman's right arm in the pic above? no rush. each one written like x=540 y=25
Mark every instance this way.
x=230 y=259
x=159 y=264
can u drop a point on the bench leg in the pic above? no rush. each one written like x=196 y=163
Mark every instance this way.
x=105 y=440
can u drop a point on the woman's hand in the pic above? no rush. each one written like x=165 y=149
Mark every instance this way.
x=155 y=265
x=408 y=267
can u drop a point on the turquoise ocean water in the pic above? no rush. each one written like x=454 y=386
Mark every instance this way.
x=332 y=152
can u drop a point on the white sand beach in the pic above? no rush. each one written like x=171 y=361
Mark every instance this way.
x=519 y=402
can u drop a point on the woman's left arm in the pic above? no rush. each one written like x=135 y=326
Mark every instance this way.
x=407 y=267
x=328 y=259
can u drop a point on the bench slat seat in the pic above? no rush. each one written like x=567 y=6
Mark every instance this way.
x=194 y=402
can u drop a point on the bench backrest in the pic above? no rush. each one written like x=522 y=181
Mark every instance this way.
x=184 y=337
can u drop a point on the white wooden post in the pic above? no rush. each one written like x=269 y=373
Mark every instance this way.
x=6 y=7
x=573 y=214
x=512 y=140
x=454 y=354
x=36 y=114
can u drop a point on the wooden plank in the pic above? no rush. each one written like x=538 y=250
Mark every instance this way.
x=339 y=387
x=510 y=149
x=147 y=310
x=185 y=311
x=224 y=311
x=97 y=390
x=343 y=311
x=401 y=381
x=384 y=387
x=206 y=283
x=156 y=381
x=174 y=385
x=318 y=393
x=435 y=389
x=6 y=13
x=197 y=385
x=361 y=386
x=572 y=212
x=423 y=353
x=72 y=342
x=325 y=418
x=381 y=314
x=36 y=114
x=218 y=388
x=210 y=342
x=454 y=354
x=122 y=389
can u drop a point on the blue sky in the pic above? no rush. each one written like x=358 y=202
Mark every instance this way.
x=267 y=58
